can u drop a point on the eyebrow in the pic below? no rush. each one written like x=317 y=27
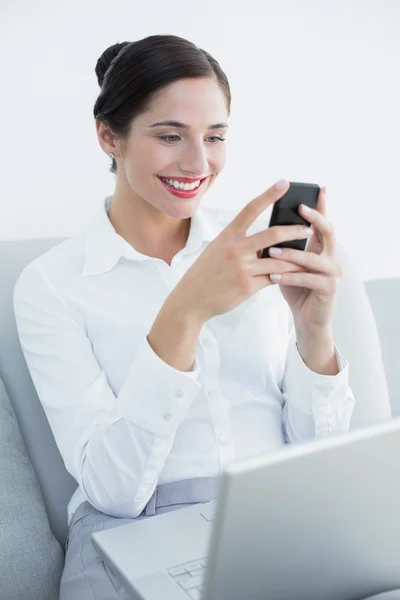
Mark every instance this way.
x=183 y=126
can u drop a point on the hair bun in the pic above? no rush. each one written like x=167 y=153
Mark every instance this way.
x=106 y=59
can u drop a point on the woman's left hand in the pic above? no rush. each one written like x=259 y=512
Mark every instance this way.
x=311 y=293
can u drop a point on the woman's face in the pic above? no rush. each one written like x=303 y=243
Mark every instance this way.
x=194 y=150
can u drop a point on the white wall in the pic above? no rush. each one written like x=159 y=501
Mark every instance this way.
x=316 y=97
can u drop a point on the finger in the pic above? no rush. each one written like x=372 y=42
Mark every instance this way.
x=275 y=235
x=319 y=221
x=266 y=266
x=318 y=263
x=312 y=281
x=321 y=203
x=254 y=208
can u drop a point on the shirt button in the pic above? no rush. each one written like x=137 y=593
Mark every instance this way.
x=331 y=420
x=207 y=342
x=223 y=440
x=167 y=416
x=178 y=393
x=211 y=392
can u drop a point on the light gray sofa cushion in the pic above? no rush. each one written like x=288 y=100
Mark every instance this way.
x=56 y=484
x=31 y=558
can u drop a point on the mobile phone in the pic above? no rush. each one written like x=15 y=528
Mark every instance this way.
x=286 y=211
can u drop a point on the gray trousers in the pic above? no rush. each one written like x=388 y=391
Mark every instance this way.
x=85 y=575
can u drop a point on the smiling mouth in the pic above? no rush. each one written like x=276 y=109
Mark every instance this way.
x=182 y=193
x=192 y=187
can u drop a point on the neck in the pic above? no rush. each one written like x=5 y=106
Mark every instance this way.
x=147 y=229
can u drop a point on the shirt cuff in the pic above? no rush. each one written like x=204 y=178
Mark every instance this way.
x=155 y=395
x=325 y=397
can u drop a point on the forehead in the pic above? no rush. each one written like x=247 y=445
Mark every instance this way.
x=191 y=97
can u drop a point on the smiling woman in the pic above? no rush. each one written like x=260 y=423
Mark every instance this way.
x=152 y=64
x=153 y=362
x=162 y=114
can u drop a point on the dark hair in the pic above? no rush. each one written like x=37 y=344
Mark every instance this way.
x=130 y=72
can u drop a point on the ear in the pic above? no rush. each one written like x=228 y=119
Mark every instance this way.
x=106 y=140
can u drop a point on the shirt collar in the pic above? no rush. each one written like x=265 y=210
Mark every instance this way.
x=104 y=246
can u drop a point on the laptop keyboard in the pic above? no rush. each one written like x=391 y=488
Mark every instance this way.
x=189 y=576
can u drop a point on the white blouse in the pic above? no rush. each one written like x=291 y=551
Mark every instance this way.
x=123 y=419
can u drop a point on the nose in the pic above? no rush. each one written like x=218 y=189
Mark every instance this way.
x=194 y=160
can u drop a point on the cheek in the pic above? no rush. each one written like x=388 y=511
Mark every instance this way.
x=220 y=160
x=157 y=158
x=143 y=167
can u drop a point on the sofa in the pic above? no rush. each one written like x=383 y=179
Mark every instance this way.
x=367 y=331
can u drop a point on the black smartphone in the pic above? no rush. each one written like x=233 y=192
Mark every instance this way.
x=286 y=211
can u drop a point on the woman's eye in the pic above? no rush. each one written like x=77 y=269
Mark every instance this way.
x=167 y=138
x=216 y=137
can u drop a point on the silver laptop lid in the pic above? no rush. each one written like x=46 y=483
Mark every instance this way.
x=316 y=520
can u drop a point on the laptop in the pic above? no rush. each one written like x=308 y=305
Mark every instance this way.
x=314 y=521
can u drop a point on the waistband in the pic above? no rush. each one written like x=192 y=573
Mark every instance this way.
x=186 y=491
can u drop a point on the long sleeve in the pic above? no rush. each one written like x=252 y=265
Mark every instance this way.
x=114 y=446
x=315 y=405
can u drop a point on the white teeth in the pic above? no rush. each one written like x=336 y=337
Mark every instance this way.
x=181 y=186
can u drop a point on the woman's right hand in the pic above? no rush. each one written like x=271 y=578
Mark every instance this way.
x=230 y=269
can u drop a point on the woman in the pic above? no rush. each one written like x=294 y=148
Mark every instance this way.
x=158 y=340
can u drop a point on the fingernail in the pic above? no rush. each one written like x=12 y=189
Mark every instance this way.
x=308 y=231
x=275 y=251
x=282 y=183
x=275 y=276
x=306 y=208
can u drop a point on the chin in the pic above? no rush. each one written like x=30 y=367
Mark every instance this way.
x=183 y=211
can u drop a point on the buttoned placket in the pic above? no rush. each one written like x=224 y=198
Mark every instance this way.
x=171 y=274
x=218 y=404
